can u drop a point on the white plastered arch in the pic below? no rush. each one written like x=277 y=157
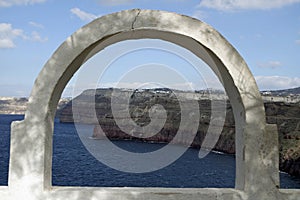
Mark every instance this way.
x=31 y=139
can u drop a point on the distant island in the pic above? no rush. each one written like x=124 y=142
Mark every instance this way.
x=282 y=108
x=18 y=105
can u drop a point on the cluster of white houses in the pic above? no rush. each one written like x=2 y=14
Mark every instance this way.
x=289 y=98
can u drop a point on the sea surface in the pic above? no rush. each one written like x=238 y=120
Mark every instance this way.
x=73 y=165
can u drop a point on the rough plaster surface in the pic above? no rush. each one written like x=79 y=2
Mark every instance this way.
x=31 y=139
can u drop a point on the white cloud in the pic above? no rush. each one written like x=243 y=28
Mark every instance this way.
x=6 y=43
x=8 y=34
x=230 y=5
x=35 y=36
x=277 y=82
x=84 y=16
x=36 y=25
x=114 y=2
x=199 y=14
x=8 y=3
x=270 y=64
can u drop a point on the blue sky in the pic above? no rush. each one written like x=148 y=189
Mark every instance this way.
x=265 y=32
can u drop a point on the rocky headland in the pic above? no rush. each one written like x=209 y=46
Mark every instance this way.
x=285 y=114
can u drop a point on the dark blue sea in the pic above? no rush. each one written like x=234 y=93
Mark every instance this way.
x=73 y=165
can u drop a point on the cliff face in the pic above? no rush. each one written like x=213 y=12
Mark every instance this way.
x=287 y=118
x=285 y=115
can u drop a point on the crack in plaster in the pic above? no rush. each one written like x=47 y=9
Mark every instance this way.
x=135 y=19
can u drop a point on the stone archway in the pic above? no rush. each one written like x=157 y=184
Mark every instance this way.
x=31 y=139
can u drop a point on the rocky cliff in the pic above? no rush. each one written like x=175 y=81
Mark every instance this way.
x=287 y=118
x=285 y=115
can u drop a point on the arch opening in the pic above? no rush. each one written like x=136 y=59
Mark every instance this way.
x=88 y=119
x=186 y=42
x=203 y=53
